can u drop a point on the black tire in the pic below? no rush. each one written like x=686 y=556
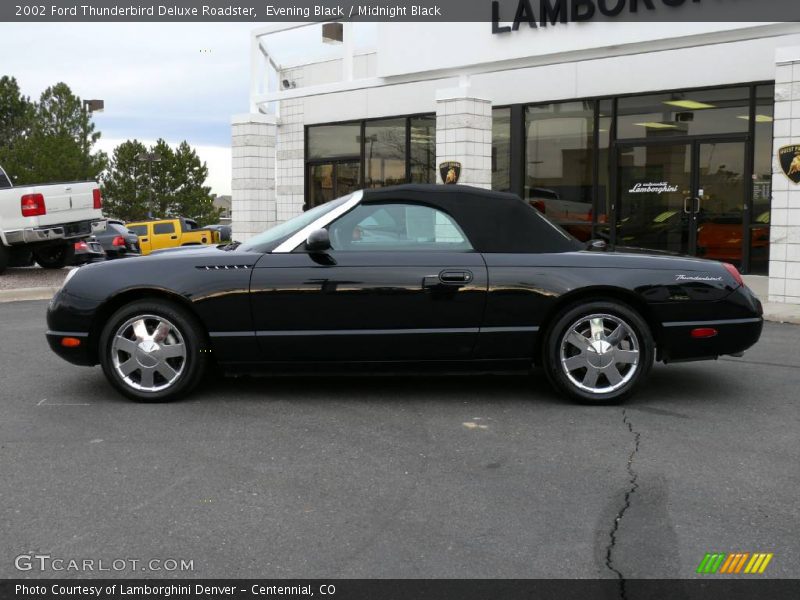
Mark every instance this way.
x=610 y=381
x=5 y=256
x=183 y=328
x=55 y=257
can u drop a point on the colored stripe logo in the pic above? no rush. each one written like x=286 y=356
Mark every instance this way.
x=734 y=563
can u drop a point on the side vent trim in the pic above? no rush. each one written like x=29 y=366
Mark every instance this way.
x=223 y=267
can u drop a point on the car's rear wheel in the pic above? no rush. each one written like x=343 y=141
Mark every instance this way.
x=55 y=257
x=598 y=352
x=153 y=351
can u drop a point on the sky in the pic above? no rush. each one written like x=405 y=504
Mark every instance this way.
x=172 y=81
x=176 y=81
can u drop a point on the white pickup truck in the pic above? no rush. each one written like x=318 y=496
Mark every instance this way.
x=43 y=222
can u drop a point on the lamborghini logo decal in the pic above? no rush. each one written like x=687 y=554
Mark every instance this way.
x=450 y=171
x=789 y=157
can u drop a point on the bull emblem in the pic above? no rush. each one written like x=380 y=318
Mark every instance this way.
x=789 y=158
x=450 y=171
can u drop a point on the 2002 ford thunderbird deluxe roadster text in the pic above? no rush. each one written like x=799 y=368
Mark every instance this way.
x=405 y=277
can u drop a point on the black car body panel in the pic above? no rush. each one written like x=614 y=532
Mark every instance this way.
x=264 y=308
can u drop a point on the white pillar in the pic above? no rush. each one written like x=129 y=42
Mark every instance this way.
x=291 y=153
x=784 y=260
x=253 y=205
x=464 y=135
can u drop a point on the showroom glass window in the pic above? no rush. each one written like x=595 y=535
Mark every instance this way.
x=344 y=157
x=762 y=179
x=501 y=149
x=397 y=228
x=692 y=112
x=559 y=144
x=422 y=144
x=333 y=162
x=384 y=153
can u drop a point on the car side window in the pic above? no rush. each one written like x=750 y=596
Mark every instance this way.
x=397 y=227
x=163 y=228
x=140 y=230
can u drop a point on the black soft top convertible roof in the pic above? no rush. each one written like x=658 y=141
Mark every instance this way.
x=493 y=221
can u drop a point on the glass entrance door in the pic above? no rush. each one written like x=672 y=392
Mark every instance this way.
x=719 y=209
x=682 y=196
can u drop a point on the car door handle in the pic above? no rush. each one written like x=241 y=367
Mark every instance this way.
x=455 y=277
x=142 y=239
x=447 y=278
x=173 y=237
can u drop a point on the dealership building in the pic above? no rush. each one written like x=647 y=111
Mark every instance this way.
x=669 y=136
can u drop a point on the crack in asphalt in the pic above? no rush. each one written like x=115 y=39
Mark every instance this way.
x=632 y=480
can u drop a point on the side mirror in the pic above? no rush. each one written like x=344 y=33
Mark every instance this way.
x=318 y=241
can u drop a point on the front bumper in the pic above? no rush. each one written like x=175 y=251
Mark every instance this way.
x=79 y=355
x=66 y=231
x=71 y=316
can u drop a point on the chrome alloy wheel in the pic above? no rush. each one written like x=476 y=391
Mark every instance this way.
x=148 y=353
x=599 y=353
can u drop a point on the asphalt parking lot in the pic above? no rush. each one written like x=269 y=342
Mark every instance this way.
x=454 y=477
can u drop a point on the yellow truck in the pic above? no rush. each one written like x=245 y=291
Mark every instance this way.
x=170 y=233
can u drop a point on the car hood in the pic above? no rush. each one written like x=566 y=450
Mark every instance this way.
x=195 y=248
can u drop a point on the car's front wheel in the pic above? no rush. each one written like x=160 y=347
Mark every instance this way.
x=153 y=351
x=598 y=352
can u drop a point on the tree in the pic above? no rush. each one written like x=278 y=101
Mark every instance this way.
x=125 y=184
x=16 y=120
x=174 y=186
x=52 y=139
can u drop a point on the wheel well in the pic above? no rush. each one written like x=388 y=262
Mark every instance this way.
x=107 y=309
x=596 y=294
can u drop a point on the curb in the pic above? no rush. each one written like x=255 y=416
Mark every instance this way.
x=782 y=313
x=20 y=294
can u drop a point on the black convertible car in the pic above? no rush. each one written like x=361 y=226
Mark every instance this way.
x=413 y=276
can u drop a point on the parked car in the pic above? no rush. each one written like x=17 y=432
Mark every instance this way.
x=403 y=277
x=87 y=251
x=43 y=222
x=224 y=231
x=171 y=233
x=118 y=241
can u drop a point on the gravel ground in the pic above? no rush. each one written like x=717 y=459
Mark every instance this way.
x=32 y=277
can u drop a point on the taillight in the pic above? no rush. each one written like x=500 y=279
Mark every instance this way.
x=97 y=197
x=33 y=205
x=734 y=273
x=118 y=241
x=81 y=245
x=702 y=333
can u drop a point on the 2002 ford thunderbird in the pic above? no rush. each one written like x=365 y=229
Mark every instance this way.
x=413 y=276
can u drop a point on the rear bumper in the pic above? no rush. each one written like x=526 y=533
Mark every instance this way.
x=66 y=231
x=734 y=335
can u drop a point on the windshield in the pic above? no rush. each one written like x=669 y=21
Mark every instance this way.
x=292 y=226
